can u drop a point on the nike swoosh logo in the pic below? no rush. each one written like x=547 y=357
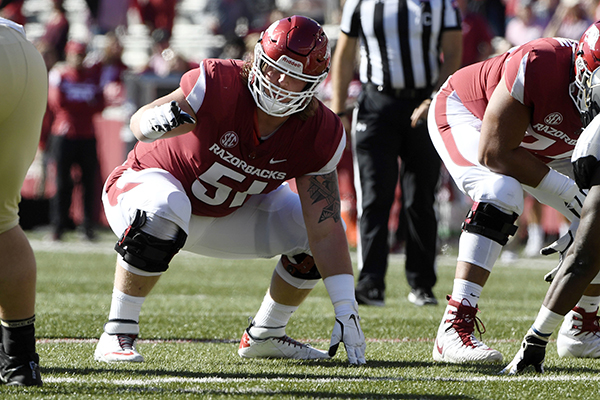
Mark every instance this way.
x=9 y=372
x=273 y=161
x=122 y=353
x=438 y=348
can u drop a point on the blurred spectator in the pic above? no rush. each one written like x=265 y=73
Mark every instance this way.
x=495 y=13
x=119 y=106
x=477 y=37
x=13 y=10
x=545 y=10
x=93 y=6
x=164 y=60
x=315 y=9
x=112 y=15
x=236 y=19
x=235 y=48
x=113 y=69
x=524 y=27
x=229 y=16
x=75 y=96
x=157 y=14
x=56 y=31
x=569 y=21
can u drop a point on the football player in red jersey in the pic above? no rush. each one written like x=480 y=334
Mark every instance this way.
x=503 y=126
x=208 y=176
x=580 y=262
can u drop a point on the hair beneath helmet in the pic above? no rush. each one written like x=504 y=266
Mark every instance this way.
x=585 y=90
x=298 y=47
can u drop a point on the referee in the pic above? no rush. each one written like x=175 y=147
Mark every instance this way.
x=402 y=46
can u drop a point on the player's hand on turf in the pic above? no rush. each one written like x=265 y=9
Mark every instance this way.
x=347 y=329
x=158 y=120
x=560 y=246
x=532 y=352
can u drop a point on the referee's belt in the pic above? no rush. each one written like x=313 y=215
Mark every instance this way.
x=405 y=93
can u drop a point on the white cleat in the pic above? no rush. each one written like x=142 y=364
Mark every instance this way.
x=278 y=347
x=456 y=342
x=579 y=335
x=116 y=348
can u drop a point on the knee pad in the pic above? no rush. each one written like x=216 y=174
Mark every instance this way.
x=487 y=220
x=144 y=251
x=301 y=274
x=303 y=268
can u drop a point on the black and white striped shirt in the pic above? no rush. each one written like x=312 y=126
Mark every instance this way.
x=399 y=39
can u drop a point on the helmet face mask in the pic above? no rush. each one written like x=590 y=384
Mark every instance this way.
x=297 y=47
x=585 y=90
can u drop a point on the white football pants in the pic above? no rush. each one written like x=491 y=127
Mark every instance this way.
x=266 y=226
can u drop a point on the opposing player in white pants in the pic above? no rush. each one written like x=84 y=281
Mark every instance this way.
x=209 y=176
x=502 y=127
x=579 y=332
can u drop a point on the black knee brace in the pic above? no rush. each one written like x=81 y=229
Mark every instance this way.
x=144 y=251
x=487 y=220
x=304 y=268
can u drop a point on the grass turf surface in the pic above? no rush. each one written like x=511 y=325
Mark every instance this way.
x=192 y=321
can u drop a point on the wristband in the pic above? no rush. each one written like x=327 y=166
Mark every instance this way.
x=556 y=183
x=342 y=113
x=341 y=292
x=546 y=321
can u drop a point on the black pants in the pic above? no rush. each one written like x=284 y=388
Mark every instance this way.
x=383 y=133
x=66 y=153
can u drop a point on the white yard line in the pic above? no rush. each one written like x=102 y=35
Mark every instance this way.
x=270 y=380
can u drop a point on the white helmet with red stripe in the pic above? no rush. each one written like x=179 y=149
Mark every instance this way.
x=585 y=90
x=298 y=47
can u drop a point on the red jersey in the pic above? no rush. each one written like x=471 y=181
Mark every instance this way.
x=538 y=75
x=74 y=96
x=221 y=163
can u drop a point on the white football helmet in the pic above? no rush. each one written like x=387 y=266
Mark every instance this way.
x=298 y=47
x=585 y=90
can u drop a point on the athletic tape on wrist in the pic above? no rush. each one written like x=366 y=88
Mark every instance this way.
x=341 y=292
x=556 y=183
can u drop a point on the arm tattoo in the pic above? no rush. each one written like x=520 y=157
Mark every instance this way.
x=324 y=187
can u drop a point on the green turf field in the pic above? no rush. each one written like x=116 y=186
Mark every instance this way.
x=192 y=322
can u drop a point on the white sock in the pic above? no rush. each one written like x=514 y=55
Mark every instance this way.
x=589 y=303
x=546 y=322
x=124 y=306
x=466 y=290
x=272 y=316
x=535 y=232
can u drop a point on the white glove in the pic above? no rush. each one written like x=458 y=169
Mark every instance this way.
x=347 y=329
x=560 y=246
x=158 y=120
x=532 y=352
x=574 y=199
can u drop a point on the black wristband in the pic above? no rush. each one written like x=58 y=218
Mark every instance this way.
x=342 y=113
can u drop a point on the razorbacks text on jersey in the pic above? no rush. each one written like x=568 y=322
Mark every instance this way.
x=538 y=75
x=222 y=162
